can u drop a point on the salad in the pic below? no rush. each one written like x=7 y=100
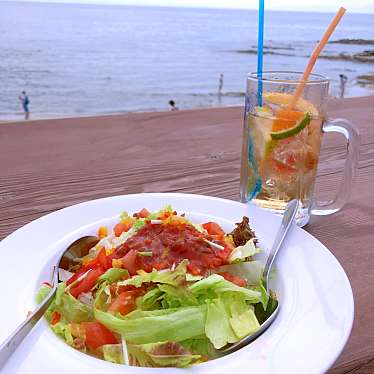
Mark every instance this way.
x=159 y=291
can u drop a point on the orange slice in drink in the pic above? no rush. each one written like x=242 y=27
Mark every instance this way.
x=288 y=123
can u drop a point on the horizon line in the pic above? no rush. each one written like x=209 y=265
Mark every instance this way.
x=101 y=3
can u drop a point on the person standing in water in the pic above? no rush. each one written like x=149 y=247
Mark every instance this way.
x=220 y=84
x=25 y=103
x=172 y=104
x=343 y=81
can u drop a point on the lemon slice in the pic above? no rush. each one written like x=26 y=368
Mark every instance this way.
x=260 y=130
x=291 y=131
x=284 y=99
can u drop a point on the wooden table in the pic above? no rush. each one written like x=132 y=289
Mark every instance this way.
x=48 y=165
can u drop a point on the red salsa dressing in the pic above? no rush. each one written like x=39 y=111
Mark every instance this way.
x=167 y=245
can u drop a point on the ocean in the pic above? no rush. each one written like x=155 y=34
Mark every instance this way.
x=78 y=60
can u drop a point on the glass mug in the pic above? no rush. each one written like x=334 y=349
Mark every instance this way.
x=281 y=144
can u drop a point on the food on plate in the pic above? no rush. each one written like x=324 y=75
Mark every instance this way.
x=159 y=290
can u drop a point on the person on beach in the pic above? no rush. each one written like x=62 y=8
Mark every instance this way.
x=25 y=103
x=343 y=81
x=172 y=104
x=220 y=84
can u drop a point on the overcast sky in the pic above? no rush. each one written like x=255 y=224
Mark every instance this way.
x=362 y=6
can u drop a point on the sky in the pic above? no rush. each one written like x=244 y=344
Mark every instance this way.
x=361 y=6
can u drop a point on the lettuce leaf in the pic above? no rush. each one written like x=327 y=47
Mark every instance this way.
x=229 y=319
x=262 y=314
x=113 y=353
x=63 y=329
x=42 y=293
x=242 y=252
x=249 y=270
x=152 y=299
x=173 y=278
x=214 y=285
x=264 y=295
x=142 y=327
x=162 y=354
x=217 y=327
x=201 y=346
x=174 y=297
x=113 y=275
x=70 y=308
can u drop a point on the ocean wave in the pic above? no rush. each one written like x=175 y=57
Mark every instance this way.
x=365 y=56
x=365 y=80
x=280 y=48
x=353 y=41
x=266 y=52
x=222 y=94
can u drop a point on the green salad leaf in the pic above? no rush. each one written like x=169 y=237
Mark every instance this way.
x=162 y=354
x=229 y=319
x=242 y=252
x=174 y=297
x=43 y=292
x=211 y=287
x=63 y=329
x=164 y=276
x=262 y=313
x=142 y=327
x=113 y=353
x=70 y=308
x=201 y=346
x=113 y=275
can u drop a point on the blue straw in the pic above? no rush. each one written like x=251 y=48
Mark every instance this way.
x=260 y=50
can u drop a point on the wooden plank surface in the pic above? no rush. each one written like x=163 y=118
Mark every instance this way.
x=48 y=165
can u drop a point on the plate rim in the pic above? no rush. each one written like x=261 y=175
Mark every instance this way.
x=177 y=195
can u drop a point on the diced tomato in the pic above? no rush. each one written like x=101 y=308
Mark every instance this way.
x=234 y=279
x=103 y=260
x=213 y=228
x=87 y=282
x=124 y=303
x=194 y=269
x=129 y=262
x=74 y=277
x=97 y=335
x=120 y=227
x=144 y=213
x=55 y=317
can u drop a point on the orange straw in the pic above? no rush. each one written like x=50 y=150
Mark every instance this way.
x=315 y=54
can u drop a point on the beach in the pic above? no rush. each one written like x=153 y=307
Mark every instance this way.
x=82 y=60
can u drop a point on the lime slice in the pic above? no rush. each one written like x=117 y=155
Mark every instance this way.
x=283 y=99
x=300 y=125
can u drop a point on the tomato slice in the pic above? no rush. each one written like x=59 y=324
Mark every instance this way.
x=234 y=279
x=98 y=335
x=213 y=228
x=103 y=260
x=129 y=262
x=55 y=317
x=87 y=282
x=124 y=303
x=74 y=277
x=144 y=213
x=120 y=227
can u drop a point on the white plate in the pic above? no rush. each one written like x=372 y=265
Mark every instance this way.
x=308 y=335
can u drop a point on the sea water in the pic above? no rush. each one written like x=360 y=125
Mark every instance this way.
x=94 y=59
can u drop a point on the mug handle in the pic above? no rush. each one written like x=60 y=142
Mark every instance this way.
x=352 y=137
